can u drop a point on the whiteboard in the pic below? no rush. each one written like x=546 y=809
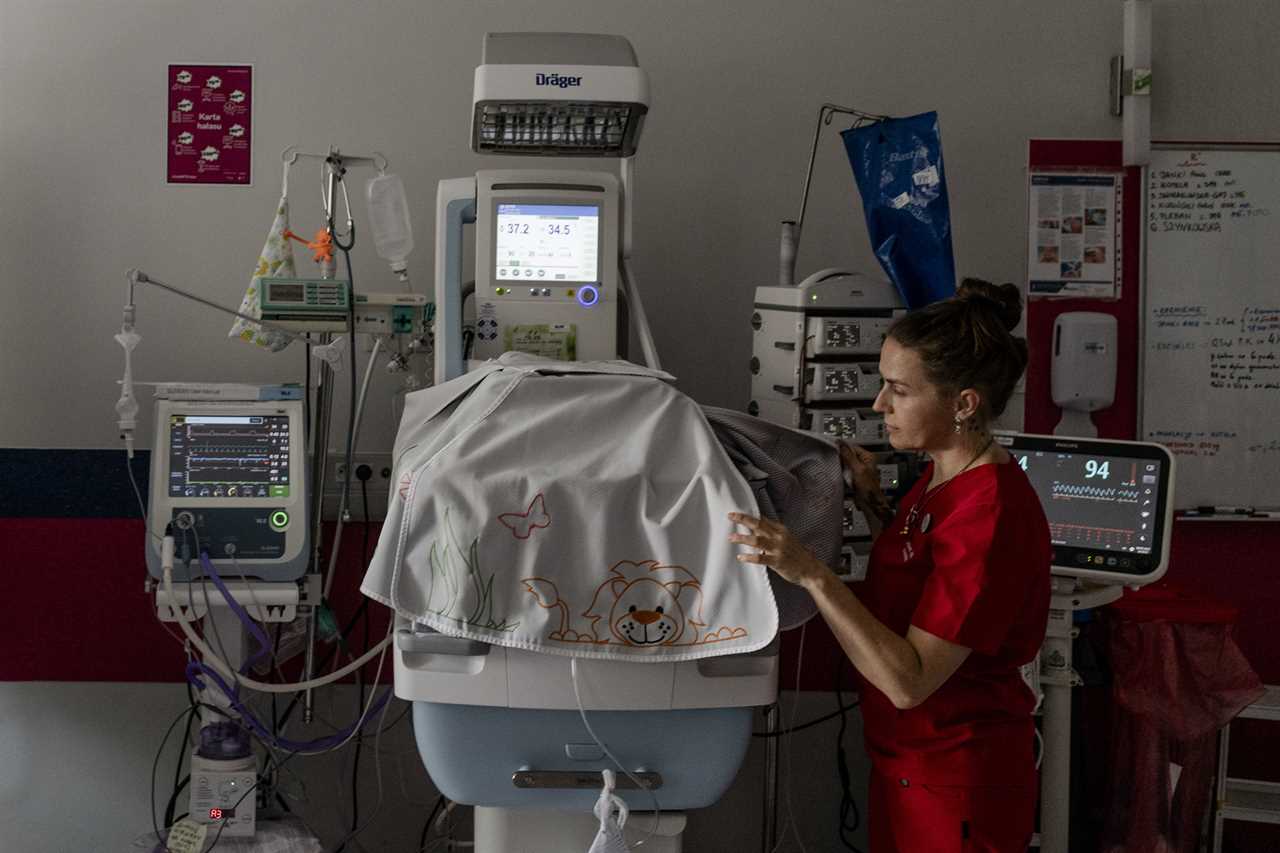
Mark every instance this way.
x=1211 y=322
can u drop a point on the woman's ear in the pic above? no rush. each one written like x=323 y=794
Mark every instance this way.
x=968 y=403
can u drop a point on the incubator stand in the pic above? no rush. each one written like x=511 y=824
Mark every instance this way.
x=500 y=729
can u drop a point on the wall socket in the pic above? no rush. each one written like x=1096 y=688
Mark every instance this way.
x=378 y=486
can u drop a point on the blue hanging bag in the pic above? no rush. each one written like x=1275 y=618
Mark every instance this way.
x=897 y=164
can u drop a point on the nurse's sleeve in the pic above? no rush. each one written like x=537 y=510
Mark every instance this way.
x=976 y=587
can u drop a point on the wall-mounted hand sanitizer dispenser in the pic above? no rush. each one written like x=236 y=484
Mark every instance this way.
x=1083 y=378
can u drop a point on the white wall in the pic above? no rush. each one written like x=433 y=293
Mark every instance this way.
x=735 y=88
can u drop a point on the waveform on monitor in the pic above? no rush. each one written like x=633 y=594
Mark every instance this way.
x=1076 y=491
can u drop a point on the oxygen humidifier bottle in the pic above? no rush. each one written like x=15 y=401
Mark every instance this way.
x=389 y=221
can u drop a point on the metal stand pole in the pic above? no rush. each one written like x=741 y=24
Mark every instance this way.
x=1058 y=678
x=770 y=833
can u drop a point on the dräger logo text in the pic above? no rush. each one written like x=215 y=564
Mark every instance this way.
x=562 y=80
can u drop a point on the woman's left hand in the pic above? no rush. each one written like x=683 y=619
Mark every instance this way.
x=774 y=546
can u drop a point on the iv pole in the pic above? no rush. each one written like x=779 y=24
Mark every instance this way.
x=790 y=245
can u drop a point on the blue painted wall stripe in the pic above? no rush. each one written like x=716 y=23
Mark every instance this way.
x=70 y=483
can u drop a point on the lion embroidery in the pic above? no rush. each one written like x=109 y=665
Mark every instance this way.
x=640 y=604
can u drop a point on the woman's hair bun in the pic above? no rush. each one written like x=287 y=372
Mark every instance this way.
x=1004 y=299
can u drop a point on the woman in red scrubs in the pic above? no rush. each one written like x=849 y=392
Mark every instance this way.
x=957 y=594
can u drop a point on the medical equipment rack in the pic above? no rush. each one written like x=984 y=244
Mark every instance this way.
x=1251 y=800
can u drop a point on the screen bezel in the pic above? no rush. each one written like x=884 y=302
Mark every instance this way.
x=498 y=202
x=1080 y=562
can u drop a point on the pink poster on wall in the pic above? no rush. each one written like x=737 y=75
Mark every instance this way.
x=210 y=130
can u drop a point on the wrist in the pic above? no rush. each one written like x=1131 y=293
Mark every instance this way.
x=819 y=580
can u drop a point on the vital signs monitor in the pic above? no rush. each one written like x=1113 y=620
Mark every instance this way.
x=1109 y=504
x=230 y=477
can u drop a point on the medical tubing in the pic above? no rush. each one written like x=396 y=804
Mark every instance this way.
x=791 y=826
x=211 y=657
x=250 y=624
x=657 y=809
x=196 y=670
x=342 y=506
x=351 y=731
x=377 y=774
x=643 y=331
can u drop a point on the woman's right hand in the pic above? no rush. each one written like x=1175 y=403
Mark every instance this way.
x=864 y=476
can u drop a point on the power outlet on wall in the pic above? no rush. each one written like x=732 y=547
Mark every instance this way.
x=378 y=486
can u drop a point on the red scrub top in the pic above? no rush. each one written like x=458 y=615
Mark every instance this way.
x=973 y=569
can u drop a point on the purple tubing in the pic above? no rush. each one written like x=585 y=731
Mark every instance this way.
x=250 y=625
x=195 y=670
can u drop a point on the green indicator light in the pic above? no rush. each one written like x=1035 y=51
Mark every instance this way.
x=279 y=520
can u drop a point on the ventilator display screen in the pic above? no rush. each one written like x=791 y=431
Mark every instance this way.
x=544 y=243
x=229 y=456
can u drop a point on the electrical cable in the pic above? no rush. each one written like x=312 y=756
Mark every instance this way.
x=332 y=651
x=343 y=500
x=355 y=762
x=791 y=824
x=824 y=718
x=657 y=809
x=177 y=768
x=142 y=508
x=306 y=387
x=353 y=403
x=156 y=763
x=377 y=772
x=426 y=827
x=850 y=818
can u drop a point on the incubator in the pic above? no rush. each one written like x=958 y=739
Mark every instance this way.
x=525 y=736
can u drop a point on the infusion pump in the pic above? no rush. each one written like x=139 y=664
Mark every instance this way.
x=814 y=367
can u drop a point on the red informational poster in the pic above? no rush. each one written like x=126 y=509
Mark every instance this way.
x=210 y=128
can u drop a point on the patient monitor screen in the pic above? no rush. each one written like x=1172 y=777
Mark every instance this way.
x=229 y=456
x=1104 y=512
x=539 y=243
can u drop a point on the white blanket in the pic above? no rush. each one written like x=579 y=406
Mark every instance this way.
x=571 y=508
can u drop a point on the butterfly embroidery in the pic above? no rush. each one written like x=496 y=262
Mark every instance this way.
x=522 y=524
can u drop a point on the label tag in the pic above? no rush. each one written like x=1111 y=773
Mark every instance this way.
x=186 y=836
x=901 y=201
x=926 y=177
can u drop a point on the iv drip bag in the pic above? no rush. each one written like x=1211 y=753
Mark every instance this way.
x=389 y=219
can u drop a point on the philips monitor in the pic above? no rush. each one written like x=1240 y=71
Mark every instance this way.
x=1109 y=504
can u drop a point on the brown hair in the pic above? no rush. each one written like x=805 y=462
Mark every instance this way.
x=967 y=342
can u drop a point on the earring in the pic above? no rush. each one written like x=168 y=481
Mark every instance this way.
x=958 y=421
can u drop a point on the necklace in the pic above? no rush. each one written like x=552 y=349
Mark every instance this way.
x=919 y=505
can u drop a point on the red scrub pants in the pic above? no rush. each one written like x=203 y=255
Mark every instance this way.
x=906 y=816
